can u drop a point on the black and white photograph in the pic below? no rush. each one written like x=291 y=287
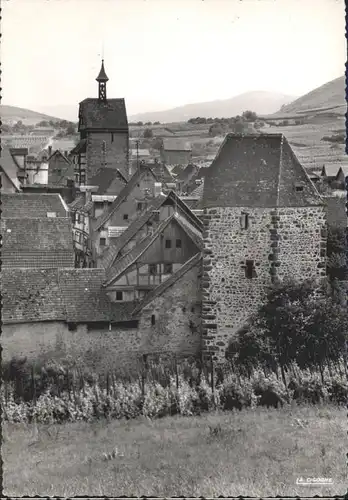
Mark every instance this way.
x=174 y=280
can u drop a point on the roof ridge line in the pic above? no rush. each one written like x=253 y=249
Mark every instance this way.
x=168 y=282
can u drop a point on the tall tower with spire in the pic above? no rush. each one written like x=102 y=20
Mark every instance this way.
x=104 y=135
x=102 y=79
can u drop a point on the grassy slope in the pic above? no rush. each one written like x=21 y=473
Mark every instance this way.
x=257 y=453
x=329 y=95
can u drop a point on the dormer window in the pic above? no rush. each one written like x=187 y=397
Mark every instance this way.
x=244 y=220
x=299 y=187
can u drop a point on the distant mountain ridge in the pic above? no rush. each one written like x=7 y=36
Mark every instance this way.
x=262 y=102
x=28 y=117
x=329 y=96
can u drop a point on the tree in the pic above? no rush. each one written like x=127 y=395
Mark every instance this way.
x=249 y=116
x=148 y=133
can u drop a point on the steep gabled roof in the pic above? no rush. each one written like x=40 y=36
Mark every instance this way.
x=57 y=152
x=37 y=243
x=257 y=171
x=80 y=148
x=128 y=188
x=189 y=171
x=331 y=170
x=105 y=177
x=113 y=250
x=9 y=167
x=162 y=173
x=97 y=115
x=122 y=264
x=32 y=205
x=173 y=144
x=160 y=289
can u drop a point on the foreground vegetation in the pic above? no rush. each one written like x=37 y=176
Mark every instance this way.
x=256 y=452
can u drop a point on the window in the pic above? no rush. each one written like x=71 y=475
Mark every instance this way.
x=102 y=242
x=152 y=269
x=112 y=137
x=51 y=214
x=298 y=187
x=250 y=269
x=168 y=244
x=244 y=220
x=178 y=243
x=139 y=206
x=119 y=295
x=153 y=320
x=125 y=216
x=167 y=268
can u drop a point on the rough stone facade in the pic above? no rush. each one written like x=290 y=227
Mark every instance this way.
x=282 y=243
x=121 y=346
x=115 y=152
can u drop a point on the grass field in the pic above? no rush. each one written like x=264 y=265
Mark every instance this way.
x=254 y=452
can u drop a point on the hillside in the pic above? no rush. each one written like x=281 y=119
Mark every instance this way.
x=12 y=114
x=261 y=102
x=330 y=96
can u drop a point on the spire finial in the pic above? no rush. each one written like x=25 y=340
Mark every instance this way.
x=102 y=79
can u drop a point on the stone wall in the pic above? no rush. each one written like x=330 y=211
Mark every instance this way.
x=281 y=243
x=116 y=152
x=176 y=332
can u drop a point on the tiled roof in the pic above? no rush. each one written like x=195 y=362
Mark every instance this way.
x=105 y=177
x=168 y=282
x=96 y=114
x=192 y=232
x=162 y=173
x=57 y=152
x=199 y=190
x=257 y=171
x=31 y=295
x=9 y=167
x=174 y=144
x=80 y=148
x=79 y=205
x=128 y=188
x=112 y=251
x=37 y=243
x=31 y=205
x=71 y=295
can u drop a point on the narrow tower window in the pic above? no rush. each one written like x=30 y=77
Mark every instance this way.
x=244 y=220
x=153 y=320
x=250 y=269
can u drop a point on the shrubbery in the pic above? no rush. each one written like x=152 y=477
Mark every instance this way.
x=184 y=394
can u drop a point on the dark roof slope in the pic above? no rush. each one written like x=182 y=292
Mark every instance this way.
x=105 y=177
x=80 y=148
x=71 y=295
x=31 y=295
x=9 y=167
x=31 y=205
x=37 y=243
x=162 y=173
x=128 y=188
x=95 y=114
x=257 y=171
x=160 y=289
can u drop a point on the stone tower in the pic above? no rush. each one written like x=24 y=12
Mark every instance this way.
x=264 y=221
x=104 y=132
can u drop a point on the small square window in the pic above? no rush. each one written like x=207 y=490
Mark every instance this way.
x=139 y=206
x=152 y=269
x=178 y=243
x=102 y=242
x=125 y=216
x=168 y=244
x=119 y=295
x=167 y=268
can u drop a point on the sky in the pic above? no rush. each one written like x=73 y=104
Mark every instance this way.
x=160 y=54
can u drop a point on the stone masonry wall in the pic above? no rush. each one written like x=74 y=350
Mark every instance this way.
x=282 y=243
x=176 y=332
x=116 y=152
